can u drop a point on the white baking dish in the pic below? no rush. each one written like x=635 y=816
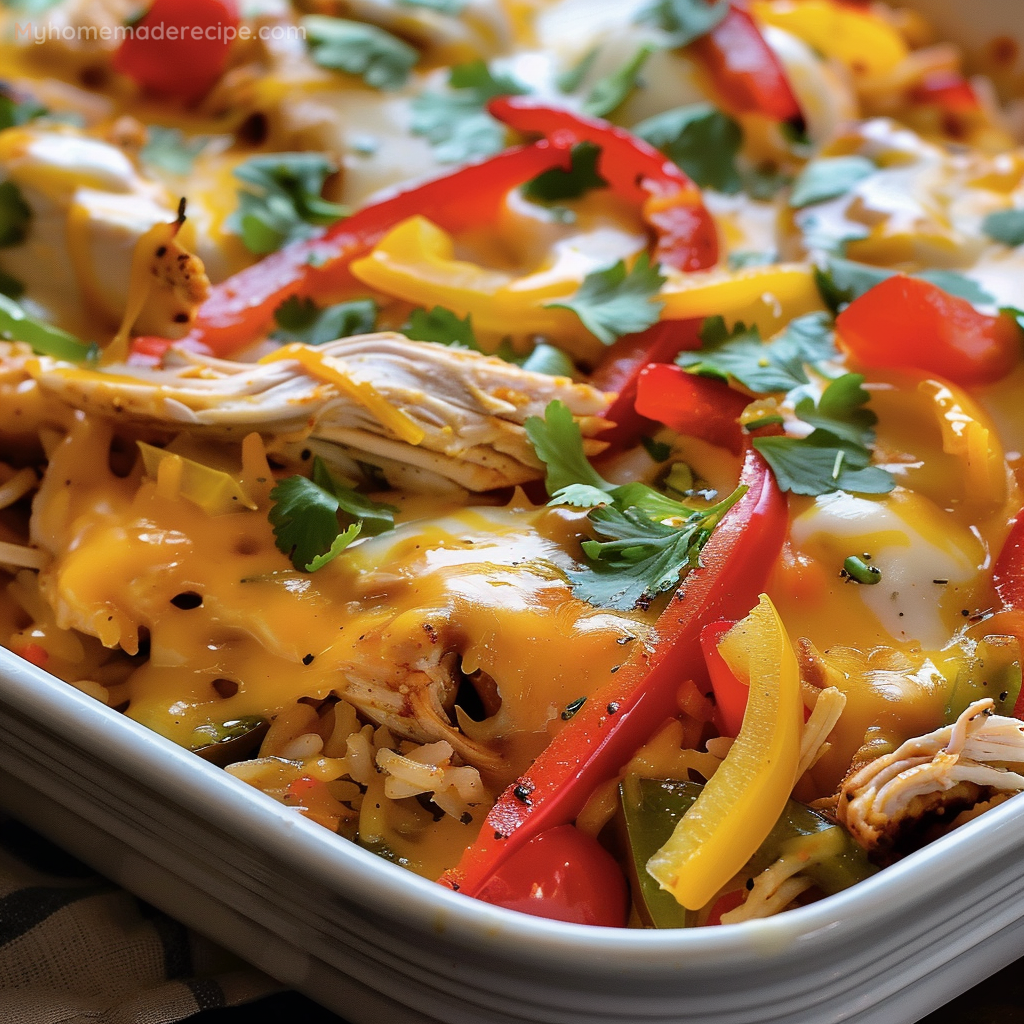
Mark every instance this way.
x=376 y=943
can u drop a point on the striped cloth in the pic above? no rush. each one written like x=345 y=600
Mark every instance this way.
x=75 y=949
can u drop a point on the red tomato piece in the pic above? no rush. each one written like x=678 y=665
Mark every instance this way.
x=949 y=89
x=34 y=653
x=909 y=323
x=730 y=694
x=730 y=901
x=180 y=47
x=565 y=875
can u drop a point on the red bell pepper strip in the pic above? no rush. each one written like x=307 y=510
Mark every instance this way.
x=34 y=653
x=730 y=694
x=616 y=720
x=744 y=70
x=620 y=370
x=671 y=203
x=698 y=406
x=906 y=322
x=180 y=47
x=1008 y=581
x=241 y=308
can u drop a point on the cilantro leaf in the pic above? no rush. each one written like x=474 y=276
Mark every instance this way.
x=613 y=302
x=382 y=60
x=558 y=442
x=762 y=367
x=456 y=123
x=15 y=214
x=637 y=557
x=829 y=178
x=830 y=235
x=751 y=258
x=450 y=7
x=1006 y=226
x=11 y=286
x=841 y=281
x=555 y=185
x=611 y=92
x=958 y=285
x=547 y=359
x=15 y=111
x=834 y=456
x=701 y=140
x=684 y=20
x=443 y=327
x=169 y=150
x=280 y=199
x=304 y=321
x=841 y=410
x=765 y=181
x=572 y=78
x=304 y=516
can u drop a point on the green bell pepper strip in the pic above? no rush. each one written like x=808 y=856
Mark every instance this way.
x=17 y=325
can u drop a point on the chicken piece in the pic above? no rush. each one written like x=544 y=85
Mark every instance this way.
x=951 y=766
x=89 y=210
x=457 y=414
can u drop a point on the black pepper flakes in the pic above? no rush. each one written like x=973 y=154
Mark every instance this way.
x=308 y=659
x=613 y=707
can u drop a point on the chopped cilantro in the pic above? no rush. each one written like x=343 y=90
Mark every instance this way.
x=547 y=359
x=571 y=79
x=17 y=325
x=958 y=285
x=304 y=515
x=835 y=455
x=762 y=367
x=830 y=235
x=555 y=185
x=382 y=60
x=841 y=281
x=658 y=450
x=611 y=92
x=443 y=327
x=456 y=123
x=645 y=539
x=15 y=214
x=765 y=181
x=751 y=258
x=828 y=178
x=613 y=302
x=15 y=111
x=280 y=199
x=701 y=140
x=450 y=7
x=11 y=286
x=302 y=320
x=169 y=150
x=684 y=20
x=1006 y=226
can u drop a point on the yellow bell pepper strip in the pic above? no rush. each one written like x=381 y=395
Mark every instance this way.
x=857 y=38
x=416 y=262
x=745 y=797
x=213 y=490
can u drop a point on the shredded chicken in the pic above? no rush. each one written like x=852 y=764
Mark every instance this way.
x=957 y=763
x=457 y=414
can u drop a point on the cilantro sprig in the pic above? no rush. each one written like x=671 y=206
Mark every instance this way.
x=684 y=20
x=305 y=512
x=1006 y=226
x=304 y=321
x=456 y=123
x=701 y=140
x=616 y=301
x=168 y=149
x=835 y=456
x=609 y=93
x=828 y=178
x=644 y=540
x=556 y=185
x=280 y=199
x=762 y=367
x=381 y=60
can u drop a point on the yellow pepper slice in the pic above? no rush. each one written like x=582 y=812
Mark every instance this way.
x=744 y=798
x=213 y=490
x=862 y=41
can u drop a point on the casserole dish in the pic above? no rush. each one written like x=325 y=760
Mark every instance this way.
x=370 y=942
